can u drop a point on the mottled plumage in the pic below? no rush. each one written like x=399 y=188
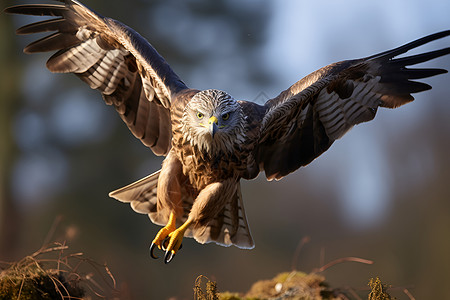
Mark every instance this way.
x=210 y=140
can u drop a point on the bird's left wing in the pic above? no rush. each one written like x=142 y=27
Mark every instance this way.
x=304 y=120
x=112 y=58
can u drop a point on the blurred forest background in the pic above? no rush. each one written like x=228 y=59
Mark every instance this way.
x=380 y=193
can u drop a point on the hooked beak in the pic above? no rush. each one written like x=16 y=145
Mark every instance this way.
x=213 y=123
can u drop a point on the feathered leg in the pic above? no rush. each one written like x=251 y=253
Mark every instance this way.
x=168 y=201
x=208 y=204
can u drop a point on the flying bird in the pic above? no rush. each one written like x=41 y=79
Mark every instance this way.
x=209 y=139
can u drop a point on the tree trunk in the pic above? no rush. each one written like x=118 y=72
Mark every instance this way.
x=10 y=68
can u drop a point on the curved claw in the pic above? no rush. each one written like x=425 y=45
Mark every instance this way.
x=168 y=257
x=152 y=248
x=165 y=243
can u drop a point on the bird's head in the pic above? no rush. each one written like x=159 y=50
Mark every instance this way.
x=213 y=121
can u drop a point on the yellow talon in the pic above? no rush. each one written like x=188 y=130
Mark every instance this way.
x=163 y=234
x=176 y=237
x=173 y=235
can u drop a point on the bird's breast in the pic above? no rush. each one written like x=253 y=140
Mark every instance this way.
x=205 y=167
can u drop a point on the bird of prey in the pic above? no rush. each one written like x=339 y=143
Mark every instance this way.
x=209 y=139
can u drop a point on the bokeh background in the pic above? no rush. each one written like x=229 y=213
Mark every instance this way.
x=380 y=193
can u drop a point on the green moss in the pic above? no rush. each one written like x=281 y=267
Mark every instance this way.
x=292 y=285
x=229 y=296
x=282 y=277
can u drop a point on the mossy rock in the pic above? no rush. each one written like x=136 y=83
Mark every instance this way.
x=30 y=281
x=292 y=286
x=285 y=286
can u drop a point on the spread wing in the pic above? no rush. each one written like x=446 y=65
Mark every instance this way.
x=304 y=120
x=112 y=58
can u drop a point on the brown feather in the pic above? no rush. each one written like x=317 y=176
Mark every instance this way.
x=52 y=42
x=329 y=102
x=112 y=58
x=59 y=24
x=38 y=10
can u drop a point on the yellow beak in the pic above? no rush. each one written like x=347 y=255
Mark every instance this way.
x=213 y=123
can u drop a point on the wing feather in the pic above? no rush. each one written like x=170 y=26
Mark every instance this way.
x=112 y=58
x=58 y=24
x=52 y=10
x=52 y=42
x=304 y=120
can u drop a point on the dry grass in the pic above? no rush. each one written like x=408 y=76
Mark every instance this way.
x=50 y=273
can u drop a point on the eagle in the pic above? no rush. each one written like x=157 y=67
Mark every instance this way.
x=209 y=139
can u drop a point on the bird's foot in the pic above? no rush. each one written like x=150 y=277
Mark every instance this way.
x=169 y=239
x=160 y=240
x=174 y=244
x=162 y=237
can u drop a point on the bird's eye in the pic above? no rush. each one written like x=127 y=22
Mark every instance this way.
x=225 y=116
x=200 y=115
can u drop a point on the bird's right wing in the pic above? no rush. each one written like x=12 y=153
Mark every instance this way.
x=304 y=120
x=112 y=58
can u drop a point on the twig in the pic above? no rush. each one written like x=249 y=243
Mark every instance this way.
x=21 y=286
x=56 y=282
x=408 y=294
x=41 y=251
x=322 y=256
x=305 y=240
x=344 y=259
x=90 y=278
x=353 y=292
x=108 y=271
x=60 y=255
x=96 y=266
x=52 y=230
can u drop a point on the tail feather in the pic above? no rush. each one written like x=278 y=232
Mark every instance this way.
x=142 y=197
x=230 y=227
